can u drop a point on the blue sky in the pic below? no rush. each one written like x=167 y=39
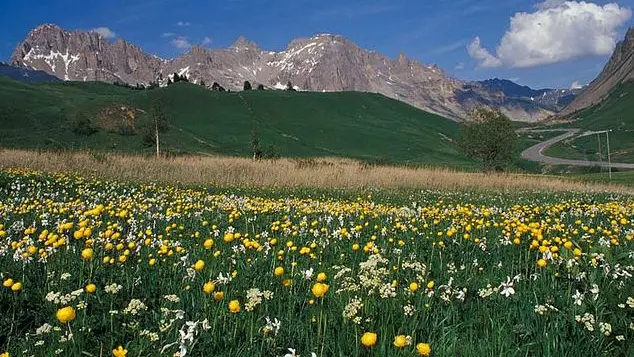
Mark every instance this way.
x=430 y=31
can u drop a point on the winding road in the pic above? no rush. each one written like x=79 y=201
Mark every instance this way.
x=534 y=153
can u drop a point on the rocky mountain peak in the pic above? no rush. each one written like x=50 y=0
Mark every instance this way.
x=322 y=62
x=619 y=69
x=243 y=44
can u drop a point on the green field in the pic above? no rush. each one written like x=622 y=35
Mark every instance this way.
x=364 y=126
x=615 y=113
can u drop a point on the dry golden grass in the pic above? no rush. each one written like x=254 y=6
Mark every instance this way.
x=287 y=173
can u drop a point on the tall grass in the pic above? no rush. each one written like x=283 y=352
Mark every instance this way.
x=285 y=173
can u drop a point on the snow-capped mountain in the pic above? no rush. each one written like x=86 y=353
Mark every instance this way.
x=320 y=63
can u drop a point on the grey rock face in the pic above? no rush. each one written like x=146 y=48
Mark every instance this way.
x=319 y=63
x=619 y=69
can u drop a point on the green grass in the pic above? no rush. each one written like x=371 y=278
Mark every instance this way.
x=625 y=178
x=615 y=113
x=364 y=126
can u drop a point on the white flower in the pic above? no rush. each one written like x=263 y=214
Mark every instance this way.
x=506 y=288
x=578 y=298
x=308 y=274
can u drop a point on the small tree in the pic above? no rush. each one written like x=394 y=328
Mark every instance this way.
x=158 y=125
x=260 y=86
x=255 y=144
x=247 y=85
x=202 y=83
x=289 y=86
x=488 y=137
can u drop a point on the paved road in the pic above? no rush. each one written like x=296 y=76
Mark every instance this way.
x=534 y=153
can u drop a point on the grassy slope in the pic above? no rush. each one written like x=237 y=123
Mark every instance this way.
x=358 y=125
x=615 y=113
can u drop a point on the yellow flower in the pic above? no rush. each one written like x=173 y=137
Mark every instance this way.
x=279 y=271
x=319 y=289
x=152 y=261
x=66 y=314
x=541 y=263
x=368 y=339
x=87 y=254
x=119 y=352
x=219 y=295
x=208 y=243
x=321 y=277
x=423 y=349
x=287 y=282
x=234 y=306
x=199 y=266
x=401 y=341
x=16 y=287
x=7 y=283
x=209 y=287
x=430 y=285
x=6 y=354
x=228 y=238
x=91 y=288
x=413 y=287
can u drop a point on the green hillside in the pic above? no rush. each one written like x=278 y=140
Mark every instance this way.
x=100 y=116
x=615 y=113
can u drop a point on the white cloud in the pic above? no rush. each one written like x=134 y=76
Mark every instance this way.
x=557 y=31
x=576 y=85
x=105 y=32
x=183 y=23
x=207 y=41
x=485 y=59
x=181 y=42
x=459 y=66
x=168 y=34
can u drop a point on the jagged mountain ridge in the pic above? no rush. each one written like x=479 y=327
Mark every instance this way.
x=619 y=69
x=554 y=99
x=319 y=63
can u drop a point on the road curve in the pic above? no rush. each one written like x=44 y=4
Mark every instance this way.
x=534 y=153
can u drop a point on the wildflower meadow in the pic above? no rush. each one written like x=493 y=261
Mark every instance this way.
x=92 y=267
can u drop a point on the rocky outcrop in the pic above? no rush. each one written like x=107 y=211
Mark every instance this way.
x=619 y=69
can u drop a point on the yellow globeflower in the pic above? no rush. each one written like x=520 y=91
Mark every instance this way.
x=219 y=295
x=119 y=352
x=319 y=289
x=66 y=314
x=321 y=277
x=368 y=339
x=541 y=263
x=209 y=287
x=401 y=341
x=228 y=238
x=279 y=271
x=423 y=349
x=16 y=287
x=91 y=288
x=87 y=254
x=413 y=287
x=234 y=306
x=8 y=283
x=199 y=266
x=430 y=285
x=208 y=243
x=6 y=354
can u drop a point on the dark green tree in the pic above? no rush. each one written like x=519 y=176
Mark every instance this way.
x=247 y=85
x=289 y=87
x=260 y=86
x=488 y=137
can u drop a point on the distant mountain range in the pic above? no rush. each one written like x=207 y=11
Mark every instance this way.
x=321 y=63
x=25 y=75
